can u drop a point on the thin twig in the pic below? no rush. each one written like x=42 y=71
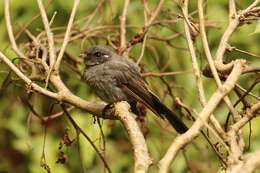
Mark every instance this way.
x=63 y=95
x=28 y=81
x=93 y=14
x=67 y=35
x=196 y=69
x=122 y=24
x=160 y=74
x=142 y=51
x=209 y=56
x=75 y=125
x=10 y=30
x=49 y=33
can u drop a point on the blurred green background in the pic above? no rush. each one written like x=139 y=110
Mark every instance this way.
x=22 y=135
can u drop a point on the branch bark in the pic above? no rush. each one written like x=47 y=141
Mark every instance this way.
x=141 y=155
x=67 y=35
x=122 y=25
x=196 y=69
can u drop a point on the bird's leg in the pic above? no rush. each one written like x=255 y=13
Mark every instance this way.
x=140 y=110
x=109 y=109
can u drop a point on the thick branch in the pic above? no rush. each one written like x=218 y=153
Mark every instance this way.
x=141 y=156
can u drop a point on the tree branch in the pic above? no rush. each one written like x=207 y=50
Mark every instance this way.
x=122 y=25
x=141 y=155
x=52 y=54
x=196 y=68
x=67 y=35
x=194 y=131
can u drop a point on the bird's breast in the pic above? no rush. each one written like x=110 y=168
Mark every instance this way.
x=103 y=82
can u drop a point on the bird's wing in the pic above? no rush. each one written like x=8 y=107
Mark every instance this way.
x=128 y=78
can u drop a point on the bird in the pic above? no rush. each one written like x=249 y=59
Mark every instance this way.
x=116 y=78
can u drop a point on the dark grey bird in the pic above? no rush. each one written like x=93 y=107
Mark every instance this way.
x=115 y=78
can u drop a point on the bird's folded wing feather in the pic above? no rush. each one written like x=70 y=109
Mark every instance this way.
x=129 y=79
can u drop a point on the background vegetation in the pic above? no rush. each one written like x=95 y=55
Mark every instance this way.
x=22 y=134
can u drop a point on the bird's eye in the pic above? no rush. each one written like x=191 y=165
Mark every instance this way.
x=98 y=54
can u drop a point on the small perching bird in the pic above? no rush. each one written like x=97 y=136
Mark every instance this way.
x=115 y=78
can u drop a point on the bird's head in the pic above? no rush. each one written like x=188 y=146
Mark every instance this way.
x=96 y=55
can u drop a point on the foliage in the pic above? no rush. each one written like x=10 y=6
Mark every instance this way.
x=22 y=135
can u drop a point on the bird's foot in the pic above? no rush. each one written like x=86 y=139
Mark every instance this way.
x=109 y=110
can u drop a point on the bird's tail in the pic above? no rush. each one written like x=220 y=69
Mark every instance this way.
x=154 y=104
x=164 y=112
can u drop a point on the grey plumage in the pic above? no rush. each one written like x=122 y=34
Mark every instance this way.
x=114 y=78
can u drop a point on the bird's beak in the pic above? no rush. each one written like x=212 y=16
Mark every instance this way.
x=81 y=55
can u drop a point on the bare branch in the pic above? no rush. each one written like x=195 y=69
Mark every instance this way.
x=63 y=95
x=233 y=24
x=122 y=25
x=49 y=33
x=254 y=4
x=27 y=80
x=249 y=165
x=80 y=130
x=194 y=131
x=10 y=30
x=223 y=44
x=232 y=8
x=209 y=56
x=67 y=35
x=249 y=115
x=141 y=34
x=154 y=14
x=196 y=68
x=142 y=159
x=155 y=74
x=142 y=51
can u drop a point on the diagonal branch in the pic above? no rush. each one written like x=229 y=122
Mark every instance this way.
x=196 y=68
x=209 y=56
x=141 y=156
x=67 y=35
x=28 y=81
x=62 y=95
